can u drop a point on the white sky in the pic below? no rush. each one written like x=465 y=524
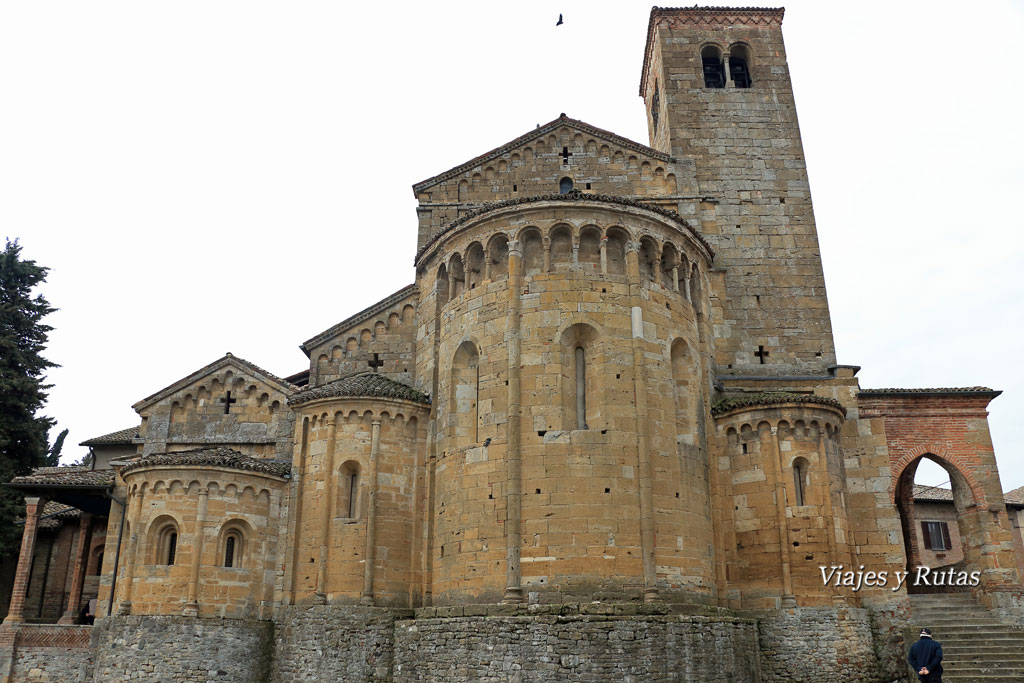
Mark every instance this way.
x=222 y=176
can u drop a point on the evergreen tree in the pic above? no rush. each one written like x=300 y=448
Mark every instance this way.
x=23 y=433
x=53 y=459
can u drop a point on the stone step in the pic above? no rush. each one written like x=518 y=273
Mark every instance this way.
x=1015 y=658
x=1013 y=673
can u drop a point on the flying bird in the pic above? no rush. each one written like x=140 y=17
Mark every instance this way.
x=559 y=20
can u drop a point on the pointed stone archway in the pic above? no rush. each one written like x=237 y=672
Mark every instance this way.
x=982 y=525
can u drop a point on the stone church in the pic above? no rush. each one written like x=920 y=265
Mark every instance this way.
x=603 y=436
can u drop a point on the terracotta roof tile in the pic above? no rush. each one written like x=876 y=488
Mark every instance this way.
x=933 y=493
x=1015 y=497
x=215 y=456
x=65 y=476
x=771 y=398
x=122 y=436
x=364 y=384
x=937 y=391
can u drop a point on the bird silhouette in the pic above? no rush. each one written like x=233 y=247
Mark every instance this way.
x=560 y=22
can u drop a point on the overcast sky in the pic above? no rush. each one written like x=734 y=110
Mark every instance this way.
x=204 y=177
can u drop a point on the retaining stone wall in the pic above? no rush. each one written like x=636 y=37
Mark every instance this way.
x=577 y=647
x=52 y=665
x=813 y=644
x=166 y=649
x=334 y=643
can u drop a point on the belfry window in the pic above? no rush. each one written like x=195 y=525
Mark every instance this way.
x=739 y=66
x=565 y=186
x=714 y=69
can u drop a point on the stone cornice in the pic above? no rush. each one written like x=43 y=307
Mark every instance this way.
x=774 y=399
x=574 y=196
x=705 y=17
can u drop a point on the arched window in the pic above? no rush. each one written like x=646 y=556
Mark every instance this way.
x=580 y=360
x=464 y=406
x=348 y=490
x=800 y=480
x=232 y=544
x=163 y=537
x=714 y=69
x=739 y=66
x=682 y=376
x=565 y=186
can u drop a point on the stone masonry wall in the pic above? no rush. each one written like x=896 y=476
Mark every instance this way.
x=334 y=643
x=551 y=645
x=181 y=649
x=810 y=644
x=52 y=665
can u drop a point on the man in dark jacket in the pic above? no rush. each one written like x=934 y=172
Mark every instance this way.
x=926 y=658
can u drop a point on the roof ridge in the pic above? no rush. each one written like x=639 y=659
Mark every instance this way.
x=362 y=384
x=536 y=132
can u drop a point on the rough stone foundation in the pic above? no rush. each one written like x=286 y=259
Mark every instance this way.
x=134 y=648
x=560 y=643
x=812 y=644
x=335 y=643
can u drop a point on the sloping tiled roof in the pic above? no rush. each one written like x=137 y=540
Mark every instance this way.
x=944 y=495
x=122 y=436
x=386 y=302
x=1015 y=497
x=217 y=456
x=937 y=391
x=933 y=493
x=65 y=476
x=772 y=398
x=364 y=384
x=573 y=196
x=562 y=120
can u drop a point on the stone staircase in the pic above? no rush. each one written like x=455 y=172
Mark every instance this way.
x=977 y=647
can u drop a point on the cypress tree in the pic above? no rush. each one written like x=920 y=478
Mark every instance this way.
x=23 y=431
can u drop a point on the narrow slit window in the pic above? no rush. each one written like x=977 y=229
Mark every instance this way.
x=353 y=482
x=172 y=547
x=800 y=480
x=581 y=388
x=229 y=552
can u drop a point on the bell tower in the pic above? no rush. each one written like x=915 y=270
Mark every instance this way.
x=717 y=91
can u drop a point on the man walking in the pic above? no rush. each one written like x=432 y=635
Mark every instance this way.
x=926 y=658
